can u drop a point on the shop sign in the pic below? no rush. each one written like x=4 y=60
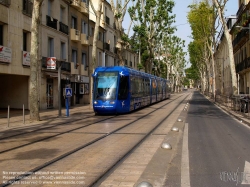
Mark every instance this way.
x=26 y=58
x=5 y=54
x=51 y=62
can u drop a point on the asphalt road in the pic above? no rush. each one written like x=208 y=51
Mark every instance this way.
x=219 y=146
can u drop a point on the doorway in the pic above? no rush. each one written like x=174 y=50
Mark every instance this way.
x=49 y=93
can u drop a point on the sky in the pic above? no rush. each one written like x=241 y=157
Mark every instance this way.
x=183 y=29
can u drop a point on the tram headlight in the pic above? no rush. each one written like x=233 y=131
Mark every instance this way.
x=95 y=102
x=112 y=102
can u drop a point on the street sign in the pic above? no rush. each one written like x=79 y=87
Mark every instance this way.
x=68 y=92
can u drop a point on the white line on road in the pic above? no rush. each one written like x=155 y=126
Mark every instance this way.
x=246 y=174
x=185 y=176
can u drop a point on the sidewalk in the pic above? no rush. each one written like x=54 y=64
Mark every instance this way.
x=46 y=116
x=242 y=118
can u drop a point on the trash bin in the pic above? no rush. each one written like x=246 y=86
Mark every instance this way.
x=244 y=104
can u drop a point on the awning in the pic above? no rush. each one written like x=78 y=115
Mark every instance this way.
x=55 y=75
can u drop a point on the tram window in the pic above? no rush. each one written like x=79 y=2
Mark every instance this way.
x=123 y=88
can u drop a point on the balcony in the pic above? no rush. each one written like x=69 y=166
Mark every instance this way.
x=75 y=35
x=243 y=65
x=63 y=28
x=5 y=2
x=27 y=7
x=107 y=46
x=51 y=22
x=242 y=34
x=84 y=8
x=100 y=44
x=66 y=66
x=240 y=10
x=84 y=40
x=76 y=4
x=115 y=50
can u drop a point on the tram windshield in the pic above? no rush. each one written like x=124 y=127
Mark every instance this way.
x=106 y=85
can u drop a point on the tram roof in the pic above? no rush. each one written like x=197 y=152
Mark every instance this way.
x=126 y=70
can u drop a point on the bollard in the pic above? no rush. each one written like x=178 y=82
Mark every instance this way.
x=8 y=115
x=23 y=115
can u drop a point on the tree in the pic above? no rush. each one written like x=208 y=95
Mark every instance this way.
x=119 y=10
x=220 y=6
x=34 y=62
x=92 y=64
x=202 y=20
x=152 y=21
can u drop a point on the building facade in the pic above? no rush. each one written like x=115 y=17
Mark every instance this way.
x=241 y=36
x=223 y=78
x=65 y=50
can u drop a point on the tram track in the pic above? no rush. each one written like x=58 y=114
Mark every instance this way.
x=57 y=134
x=62 y=156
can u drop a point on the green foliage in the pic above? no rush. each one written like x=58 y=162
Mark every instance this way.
x=155 y=19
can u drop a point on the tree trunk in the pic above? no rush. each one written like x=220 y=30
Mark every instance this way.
x=34 y=62
x=92 y=64
x=230 y=48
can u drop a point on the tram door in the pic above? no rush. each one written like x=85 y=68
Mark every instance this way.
x=49 y=93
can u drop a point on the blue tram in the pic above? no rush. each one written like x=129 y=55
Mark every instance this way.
x=119 y=89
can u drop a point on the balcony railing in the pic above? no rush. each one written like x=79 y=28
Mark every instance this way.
x=75 y=35
x=115 y=50
x=66 y=66
x=240 y=10
x=243 y=65
x=27 y=7
x=63 y=28
x=84 y=40
x=242 y=34
x=107 y=46
x=84 y=8
x=76 y=4
x=5 y=2
x=51 y=22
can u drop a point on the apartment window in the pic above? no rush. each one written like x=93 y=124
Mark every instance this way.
x=92 y=31
x=73 y=22
x=84 y=59
x=63 y=50
x=1 y=34
x=106 y=60
x=51 y=47
x=100 y=36
x=106 y=11
x=49 y=7
x=105 y=37
x=100 y=59
x=74 y=57
x=27 y=7
x=84 y=27
x=24 y=41
x=62 y=13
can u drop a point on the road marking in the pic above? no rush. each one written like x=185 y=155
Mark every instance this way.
x=185 y=176
x=246 y=173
